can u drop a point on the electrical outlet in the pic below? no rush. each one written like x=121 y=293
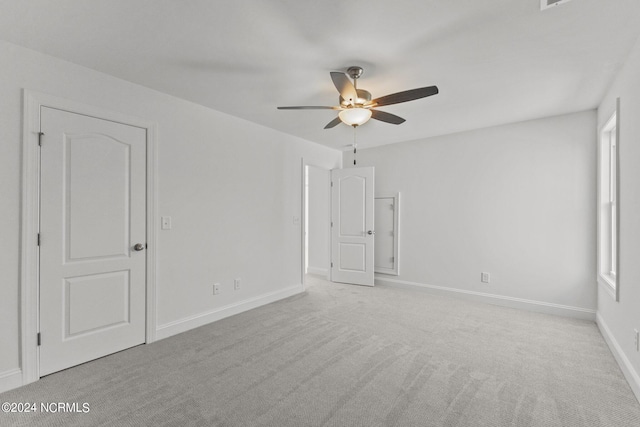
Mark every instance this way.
x=236 y=284
x=485 y=277
x=637 y=338
x=216 y=288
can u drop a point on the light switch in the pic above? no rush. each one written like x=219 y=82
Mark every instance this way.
x=166 y=223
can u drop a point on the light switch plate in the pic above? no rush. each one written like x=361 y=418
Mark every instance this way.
x=166 y=223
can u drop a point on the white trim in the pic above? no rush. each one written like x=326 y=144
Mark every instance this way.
x=10 y=379
x=610 y=285
x=502 y=300
x=33 y=101
x=28 y=231
x=618 y=210
x=303 y=221
x=607 y=286
x=152 y=227
x=630 y=374
x=191 y=322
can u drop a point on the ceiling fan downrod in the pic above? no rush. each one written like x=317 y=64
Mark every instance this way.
x=355 y=73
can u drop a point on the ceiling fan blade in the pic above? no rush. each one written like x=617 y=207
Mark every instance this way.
x=333 y=123
x=344 y=86
x=386 y=117
x=309 y=108
x=407 y=95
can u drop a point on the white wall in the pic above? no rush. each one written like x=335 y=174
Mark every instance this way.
x=231 y=187
x=319 y=217
x=516 y=201
x=618 y=320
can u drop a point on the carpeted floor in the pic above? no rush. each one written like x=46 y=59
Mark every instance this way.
x=341 y=355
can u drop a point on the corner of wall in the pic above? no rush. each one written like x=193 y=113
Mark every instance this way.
x=501 y=300
x=183 y=325
x=630 y=374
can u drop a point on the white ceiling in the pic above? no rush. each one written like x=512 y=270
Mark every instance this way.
x=494 y=61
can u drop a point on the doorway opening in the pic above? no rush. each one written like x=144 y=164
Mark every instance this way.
x=316 y=221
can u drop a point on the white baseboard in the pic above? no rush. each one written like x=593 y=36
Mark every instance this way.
x=10 y=380
x=183 y=325
x=512 y=302
x=630 y=374
x=318 y=271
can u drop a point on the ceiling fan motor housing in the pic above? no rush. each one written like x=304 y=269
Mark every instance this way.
x=364 y=97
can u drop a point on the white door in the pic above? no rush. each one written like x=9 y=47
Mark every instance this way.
x=352 y=233
x=92 y=215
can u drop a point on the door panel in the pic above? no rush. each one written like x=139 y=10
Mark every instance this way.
x=352 y=242
x=96 y=301
x=353 y=257
x=98 y=205
x=92 y=213
x=352 y=205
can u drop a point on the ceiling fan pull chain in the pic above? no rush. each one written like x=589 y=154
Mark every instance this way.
x=355 y=144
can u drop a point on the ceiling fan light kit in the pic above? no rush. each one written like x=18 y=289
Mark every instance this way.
x=355 y=116
x=356 y=106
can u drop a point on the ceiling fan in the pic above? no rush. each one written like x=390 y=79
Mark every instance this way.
x=356 y=106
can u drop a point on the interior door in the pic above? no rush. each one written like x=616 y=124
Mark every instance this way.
x=92 y=238
x=352 y=218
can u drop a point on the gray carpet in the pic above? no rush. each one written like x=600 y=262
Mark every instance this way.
x=342 y=355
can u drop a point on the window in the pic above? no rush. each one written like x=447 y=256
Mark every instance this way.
x=608 y=206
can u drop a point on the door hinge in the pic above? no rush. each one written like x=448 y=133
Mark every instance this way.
x=393 y=259
x=39 y=339
x=40 y=134
x=38 y=239
x=332 y=183
x=331 y=264
x=332 y=223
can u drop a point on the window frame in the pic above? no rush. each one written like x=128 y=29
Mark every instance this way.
x=609 y=205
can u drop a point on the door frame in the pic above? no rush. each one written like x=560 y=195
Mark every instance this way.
x=303 y=220
x=30 y=213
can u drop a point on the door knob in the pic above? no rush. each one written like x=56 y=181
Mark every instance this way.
x=370 y=232
x=138 y=247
